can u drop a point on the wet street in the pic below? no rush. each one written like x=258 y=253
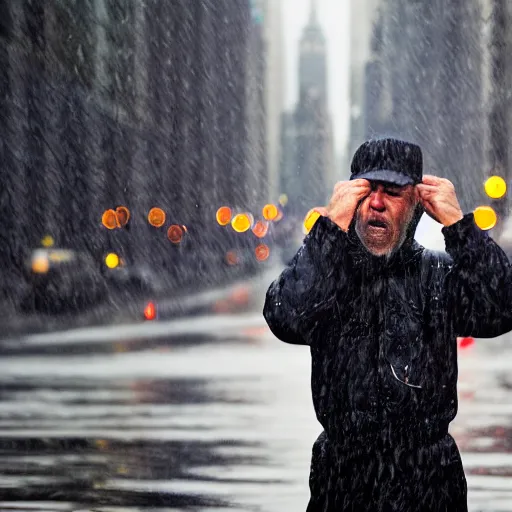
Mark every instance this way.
x=205 y=414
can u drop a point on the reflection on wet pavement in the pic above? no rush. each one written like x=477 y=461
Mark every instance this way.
x=196 y=422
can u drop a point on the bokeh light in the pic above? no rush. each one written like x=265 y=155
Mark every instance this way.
x=40 y=265
x=485 y=217
x=224 y=215
x=109 y=219
x=112 y=260
x=260 y=229
x=122 y=216
x=242 y=222
x=231 y=258
x=466 y=342
x=175 y=234
x=150 y=311
x=156 y=217
x=283 y=200
x=262 y=252
x=47 y=241
x=269 y=211
x=495 y=187
x=309 y=221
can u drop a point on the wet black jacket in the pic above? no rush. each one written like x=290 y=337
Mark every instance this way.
x=382 y=332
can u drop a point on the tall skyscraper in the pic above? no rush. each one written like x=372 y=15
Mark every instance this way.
x=307 y=173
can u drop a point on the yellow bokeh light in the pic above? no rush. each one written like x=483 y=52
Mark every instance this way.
x=270 y=211
x=112 y=260
x=495 y=187
x=241 y=222
x=47 y=241
x=309 y=220
x=283 y=199
x=485 y=217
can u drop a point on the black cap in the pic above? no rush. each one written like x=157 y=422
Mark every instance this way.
x=390 y=160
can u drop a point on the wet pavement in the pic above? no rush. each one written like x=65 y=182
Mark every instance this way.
x=206 y=414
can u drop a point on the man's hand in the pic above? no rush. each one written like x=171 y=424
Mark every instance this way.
x=344 y=201
x=437 y=195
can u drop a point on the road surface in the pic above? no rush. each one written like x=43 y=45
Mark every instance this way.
x=206 y=414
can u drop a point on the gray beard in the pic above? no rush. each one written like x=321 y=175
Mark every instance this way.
x=389 y=253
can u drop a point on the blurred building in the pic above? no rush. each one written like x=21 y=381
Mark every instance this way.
x=256 y=143
x=274 y=90
x=363 y=16
x=497 y=15
x=423 y=82
x=119 y=102
x=307 y=140
x=265 y=89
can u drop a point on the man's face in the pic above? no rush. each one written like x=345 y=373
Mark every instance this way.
x=383 y=217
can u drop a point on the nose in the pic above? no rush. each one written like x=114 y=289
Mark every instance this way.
x=377 y=200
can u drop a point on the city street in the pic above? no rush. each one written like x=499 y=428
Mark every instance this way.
x=205 y=414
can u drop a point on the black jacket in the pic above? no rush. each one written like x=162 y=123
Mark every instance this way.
x=382 y=332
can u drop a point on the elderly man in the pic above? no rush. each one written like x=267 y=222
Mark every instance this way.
x=381 y=316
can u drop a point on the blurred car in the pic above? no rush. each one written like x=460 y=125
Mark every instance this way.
x=61 y=281
x=134 y=279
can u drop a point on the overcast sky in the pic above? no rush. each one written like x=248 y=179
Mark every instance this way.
x=334 y=18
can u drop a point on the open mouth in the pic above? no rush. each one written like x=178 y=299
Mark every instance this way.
x=379 y=224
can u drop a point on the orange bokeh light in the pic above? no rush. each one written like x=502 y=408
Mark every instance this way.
x=224 y=215
x=109 y=219
x=156 y=217
x=175 y=234
x=270 y=212
x=262 y=252
x=150 y=311
x=231 y=258
x=260 y=229
x=122 y=216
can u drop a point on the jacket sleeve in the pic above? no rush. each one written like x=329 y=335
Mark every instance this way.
x=479 y=283
x=305 y=289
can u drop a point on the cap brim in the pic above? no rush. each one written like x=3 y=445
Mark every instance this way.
x=387 y=176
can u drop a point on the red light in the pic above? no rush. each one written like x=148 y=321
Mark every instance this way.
x=466 y=342
x=150 y=311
